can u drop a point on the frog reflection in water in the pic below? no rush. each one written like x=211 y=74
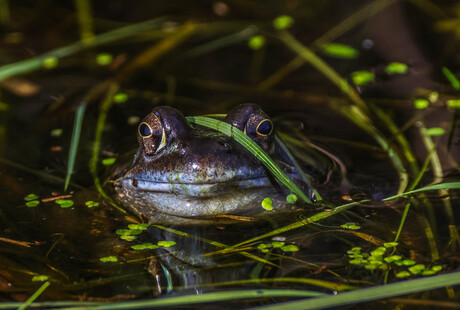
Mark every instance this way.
x=183 y=172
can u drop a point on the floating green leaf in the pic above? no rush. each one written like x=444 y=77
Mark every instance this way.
x=145 y=246
x=120 y=98
x=32 y=203
x=140 y=226
x=433 y=97
x=30 y=197
x=396 y=68
x=39 y=278
x=166 y=244
x=104 y=59
x=256 y=42
x=64 y=203
x=57 y=132
x=278 y=244
x=291 y=198
x=362 y=77
x=283 y=22
x=91 y=203
x=128 y=232
x=416 y=269
x=392 y=258
x=403 y=274
x=109 y=161
x=109 y=259
x=390 y=244
x=128 y=237
x=340 y=51
x=435 y=131
x=267 y=204
x=264 y=246
x=351 y=226
x=421 y=103
x=290 y=248
x=50 y=62
x=453 y=103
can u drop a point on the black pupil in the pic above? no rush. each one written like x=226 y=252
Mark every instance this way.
x=145 y=130
x=265 y=127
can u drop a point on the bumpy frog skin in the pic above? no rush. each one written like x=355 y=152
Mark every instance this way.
x=186 y=171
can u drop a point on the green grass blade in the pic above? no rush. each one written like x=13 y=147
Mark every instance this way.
x=35 y=63
x=251 y=146
x=74 y=143
x=34 y=295
x=451 y=185
x=372 y=293
x=188 y=300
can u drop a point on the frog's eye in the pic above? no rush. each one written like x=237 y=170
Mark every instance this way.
x=145 y=131
x=265 y=127
x=151 y=134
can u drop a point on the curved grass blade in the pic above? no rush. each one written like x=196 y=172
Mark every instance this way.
x=251 y=146
x=372 y=293
x=74 y=143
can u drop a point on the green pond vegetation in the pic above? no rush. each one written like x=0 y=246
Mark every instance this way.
x=394 y=274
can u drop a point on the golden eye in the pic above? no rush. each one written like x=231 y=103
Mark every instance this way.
x=145 y=131
x=264 y=128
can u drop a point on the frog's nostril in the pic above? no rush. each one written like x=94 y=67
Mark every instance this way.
x=226 y=146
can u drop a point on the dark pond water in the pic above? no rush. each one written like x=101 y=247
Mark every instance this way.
x=367 y=143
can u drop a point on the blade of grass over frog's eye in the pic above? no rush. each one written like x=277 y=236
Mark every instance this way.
x=251 y=146
x=74 y=143
x=371 y=293
x=35 y=63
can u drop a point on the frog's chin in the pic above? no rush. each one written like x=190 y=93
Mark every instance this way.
x=234 y=200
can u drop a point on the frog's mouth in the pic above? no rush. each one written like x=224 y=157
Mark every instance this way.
x=195 y=189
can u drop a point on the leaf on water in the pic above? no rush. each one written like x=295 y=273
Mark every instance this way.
x=145 y=246
x=104 y=59
x=50 y=62
x=32 y=203
x=109 y=259
x=120 y=98
x=128 y=232
x=421 y=103
x=64 y=203
x=30 y=197
x=256 y=42
x=283 y=22
x=91 y=203
x=128 y=237
x=40 y=278
x=340 y=51
x=141 y=226
x=264 y=246
x=403 y=274
x=435 y=131
x=166 y=244
x=453 y=103
x=290 y=248
x=396 y=68
x=267 y=204
x=57 y=132
x=109 y=161
x=277 y=244
x=390 y=244
x=362 y=77
x=291 y=198
x=351 y=226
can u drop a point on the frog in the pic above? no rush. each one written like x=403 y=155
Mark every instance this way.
x=183 y=172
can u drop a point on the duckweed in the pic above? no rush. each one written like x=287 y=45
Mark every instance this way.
x=267 y=204
x=64 y=203
x=256 y=42
x=109 y=259
x=283 y=22
x=340 y=51
x=39 y=278
x=291 y=198
x=91 y=204
x=396 y=68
